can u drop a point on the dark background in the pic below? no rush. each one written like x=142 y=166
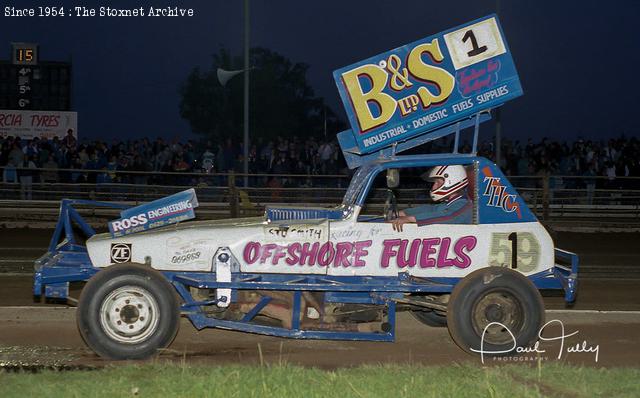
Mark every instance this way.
x=577 y=59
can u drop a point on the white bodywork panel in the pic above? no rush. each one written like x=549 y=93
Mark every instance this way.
x=342 y=247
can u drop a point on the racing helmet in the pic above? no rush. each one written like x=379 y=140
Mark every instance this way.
x=447 y=181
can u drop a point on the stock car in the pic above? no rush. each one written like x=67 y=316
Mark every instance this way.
x=341 y=272
x=322 y=273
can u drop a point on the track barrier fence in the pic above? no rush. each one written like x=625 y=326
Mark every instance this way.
x=30 y=193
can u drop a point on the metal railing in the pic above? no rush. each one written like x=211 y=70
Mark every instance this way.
x=552 y=198
x=598 y=198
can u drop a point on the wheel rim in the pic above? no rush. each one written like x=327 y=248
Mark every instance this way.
x=129 y=314
x=502 y=307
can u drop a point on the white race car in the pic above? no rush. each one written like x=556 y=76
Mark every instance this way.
x=473 y=258
x=320 y=273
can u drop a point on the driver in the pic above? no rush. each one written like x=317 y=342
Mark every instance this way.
x=449 y=192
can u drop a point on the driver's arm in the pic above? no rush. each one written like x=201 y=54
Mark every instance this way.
x=401 y=220
x=408 y=216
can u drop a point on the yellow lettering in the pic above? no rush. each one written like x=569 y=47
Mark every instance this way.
x=361 y=100
x=443 y=79
x=397 y=74
x=408 y=104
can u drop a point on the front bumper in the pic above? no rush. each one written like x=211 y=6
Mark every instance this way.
x=563 y=275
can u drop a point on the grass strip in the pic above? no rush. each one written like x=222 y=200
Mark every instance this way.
x=456 y=380
x=573 y=381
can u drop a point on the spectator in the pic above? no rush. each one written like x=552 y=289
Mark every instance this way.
x=15 y=158
x=228 y=157
x=31 y=149
x=208 y=160
x=69 y=140
x=610 y=172
x=50 y=174
x=590 y=182
x=275 y=185
x=139 y=165
x=281 y=165
x=27 y=174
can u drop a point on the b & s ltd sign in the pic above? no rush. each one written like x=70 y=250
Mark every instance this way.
x=428 y=83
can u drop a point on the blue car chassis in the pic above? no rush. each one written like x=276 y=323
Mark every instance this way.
x=67 y=261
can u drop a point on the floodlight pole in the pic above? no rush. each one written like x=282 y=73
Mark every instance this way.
x=246 y=93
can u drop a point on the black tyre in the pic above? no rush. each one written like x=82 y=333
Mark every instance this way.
x=491 y=295
x=128 y=311
x=430 y=318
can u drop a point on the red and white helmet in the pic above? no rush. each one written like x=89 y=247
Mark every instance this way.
x=447 y=181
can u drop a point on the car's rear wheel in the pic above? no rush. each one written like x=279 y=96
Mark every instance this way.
x=128 y=311
x=495 y=309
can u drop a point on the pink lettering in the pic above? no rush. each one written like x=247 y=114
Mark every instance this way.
x=293 y=258
x=360 y=251
x=403 y=261
x=388 y=251
x=326 y=253
x=266 y=252
x=343 y=251
x=467 y=243
x=278 y=254
x=427 y=250
x=309 y=254
x=443 y=254
x=251 y=251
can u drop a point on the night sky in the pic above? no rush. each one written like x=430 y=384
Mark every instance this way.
x=577 y=60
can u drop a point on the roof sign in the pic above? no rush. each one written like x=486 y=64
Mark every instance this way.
x=427 y=84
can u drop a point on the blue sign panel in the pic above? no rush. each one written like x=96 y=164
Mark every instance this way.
x=169 y=210
x=498 y=201
x=428 y=84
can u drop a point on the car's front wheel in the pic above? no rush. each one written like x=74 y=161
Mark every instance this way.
x=128 y=312
x=495 y=309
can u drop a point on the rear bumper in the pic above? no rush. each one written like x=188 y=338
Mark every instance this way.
x=54 y=270
x=66 y=261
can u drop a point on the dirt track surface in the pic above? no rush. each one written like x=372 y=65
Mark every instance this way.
x=610 y=280
x=49 y=337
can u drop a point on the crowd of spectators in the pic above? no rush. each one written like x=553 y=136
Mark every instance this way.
x=42 y=160
x=610 y=159
x=156 y=161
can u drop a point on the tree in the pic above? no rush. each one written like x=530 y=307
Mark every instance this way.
x=282 y=103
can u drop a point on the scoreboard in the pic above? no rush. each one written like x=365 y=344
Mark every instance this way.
x=27 y=83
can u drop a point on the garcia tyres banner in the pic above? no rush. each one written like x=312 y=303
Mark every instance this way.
x=41 y=124
x=168 y=210
x=427 y=84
